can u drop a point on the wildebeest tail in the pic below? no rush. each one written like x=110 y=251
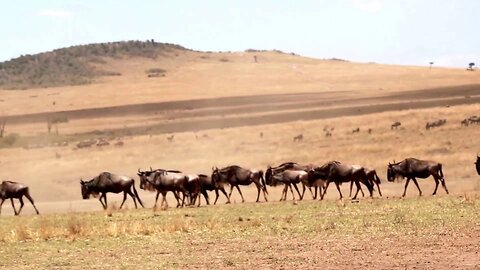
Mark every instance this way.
x=136 y=194
x=260 y=173
x=377 y=179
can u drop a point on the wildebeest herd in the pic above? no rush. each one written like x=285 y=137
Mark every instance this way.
x=188 y=188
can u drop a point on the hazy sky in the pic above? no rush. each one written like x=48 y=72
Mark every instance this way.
x=384 y=31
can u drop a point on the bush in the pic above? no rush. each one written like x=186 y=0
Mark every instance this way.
x=9 y=140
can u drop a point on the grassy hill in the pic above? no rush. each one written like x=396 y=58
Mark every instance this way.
x=75 y=65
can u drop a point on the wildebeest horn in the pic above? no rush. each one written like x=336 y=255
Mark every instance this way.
x=81 y=181
x=151 y=169
x=139 y=170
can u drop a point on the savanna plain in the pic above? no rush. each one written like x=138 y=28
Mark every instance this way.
x=220 y=109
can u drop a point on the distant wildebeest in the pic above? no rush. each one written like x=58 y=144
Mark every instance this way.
x=334 y=171
x=328 y=134
x=436 y=123
x=108 y=182
x=102 y=142
x=477 y=164
x=369 y=131
x=357 y=130
x=164 y=181
x=464 y=122
x=298 y=138
x=119 y=144
x=170 y=138
x=395 y=125
x=85 y=144
x=372 y=178
x=193 y=188
x=306 y=182
x=413 y=168
x=13 y=190
x=236 y=176
x=474 y=119
x=206 y=184
x=261 y=134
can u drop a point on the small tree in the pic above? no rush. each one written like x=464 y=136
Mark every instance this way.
x=470 y=66
x=431 y=63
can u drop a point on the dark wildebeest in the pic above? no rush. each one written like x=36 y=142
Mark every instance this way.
x=372 y=178
x=306 y=182
x=411 y=168
x=236 y=175
x=395 y=125
x=206 y=184
x=474 y=119
x=357 y=130
x=108 y=182
x=477 y=164
x=298 y=138
x=464 y=122
x=339 y=173
x=13 y=190
x=164 y=181
x=287 y=178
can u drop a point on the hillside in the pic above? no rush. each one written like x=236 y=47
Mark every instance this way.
x=75 y=65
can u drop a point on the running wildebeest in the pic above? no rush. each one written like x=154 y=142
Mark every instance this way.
x=164 y=181
x=436 y=123
x=108 y=182
x=411 y=168
x=395 y=125
x=13 y=190
x=477 y=164
x=206 y=184
x=236 y=175
x=357 y=130
x=334 y=171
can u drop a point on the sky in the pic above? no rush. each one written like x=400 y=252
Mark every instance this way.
x=406 y=32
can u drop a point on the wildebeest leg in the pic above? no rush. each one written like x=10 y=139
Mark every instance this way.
x=21 y=205
x=291 y=190
x=296 y=188
x=325 y=190
x=444 y=185
x=105 y=199
x=27 y=194
x=231 y=190
x=241 y=195
x=339 y=191
x=224 y=193
x=124 y=199
x=351 y=187
x=133 y=197
x=100 y=199
x=177 y=197
x=436 y=185
x=406 y=185
x=205 y=195
x=416 y=184
x=379 y=191
x=359 y=188
x=284 y=191
x=164 y=199
x=1 y=203
x=13 y=205
x=156 y=199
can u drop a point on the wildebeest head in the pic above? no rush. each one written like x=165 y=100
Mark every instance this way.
x=145 y=179
x=85 y=189
x=392 y=171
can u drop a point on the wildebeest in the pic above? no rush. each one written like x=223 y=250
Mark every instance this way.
x=298 y=138
x=436 y=123
x=13 y=190
x=170 y=138
x=108 y=182
x=357 y=130
x=395 y=125
x=411 y=168
x=206 y=184
x=306 y=182
x=236 y=175
x=477 y=164
x=164 y=181
x=334 y=171
x=372 y=178
x=287 y=178
x=464 y=122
